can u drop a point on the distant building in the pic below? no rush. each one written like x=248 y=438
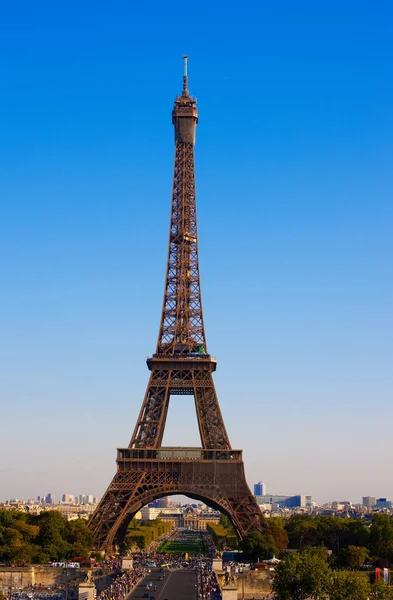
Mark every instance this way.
x=75 y=511
x=383 y=503
x=369 y=501
x=260 y=489
x=68 y=499
x=285 y=501
x=50 y=499
x=341 y=505
x=163 y=502
x=149 y=513
x=191 y=518
x=160 y=503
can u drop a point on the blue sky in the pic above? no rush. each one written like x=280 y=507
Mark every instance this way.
x=294 y=184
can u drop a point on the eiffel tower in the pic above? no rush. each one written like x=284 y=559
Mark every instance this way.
x=181 y=365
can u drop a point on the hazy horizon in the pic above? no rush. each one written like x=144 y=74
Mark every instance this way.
x=294 y=191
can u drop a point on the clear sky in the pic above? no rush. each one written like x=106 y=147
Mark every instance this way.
x=294 y=182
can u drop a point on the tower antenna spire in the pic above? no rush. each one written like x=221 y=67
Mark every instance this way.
x=185 y=76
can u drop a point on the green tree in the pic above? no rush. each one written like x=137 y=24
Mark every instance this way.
x=354 y=556
x=302 y=531
x=382 y=591
x=259 y=546
x=334 y=533
x=222 y=536
x=354 y=532
x=29 y=532
x=39 y=556
x=381 y=536
x=302 y=575
x=276 y=529
x=7 y=517
x=80 y=537
x=40 y=538
x=225 y=522
x=349 y=586
x=21 y=554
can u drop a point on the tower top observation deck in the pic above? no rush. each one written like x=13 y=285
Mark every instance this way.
x=185 y=112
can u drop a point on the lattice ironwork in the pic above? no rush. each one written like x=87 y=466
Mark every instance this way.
x=181 y=365
x=221 y=484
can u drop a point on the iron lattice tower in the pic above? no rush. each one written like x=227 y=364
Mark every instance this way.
x=181 y=365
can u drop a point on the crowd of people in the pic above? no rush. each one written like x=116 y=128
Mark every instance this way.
x=123 y=584
x=208 y=588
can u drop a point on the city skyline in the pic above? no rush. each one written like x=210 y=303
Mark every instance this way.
x=294 y=193
x=65 y=498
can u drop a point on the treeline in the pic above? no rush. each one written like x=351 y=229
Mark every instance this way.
x=39 y=539
x=351 y=541
x=141 y=533
x=223 y=535
x=309 y=574
x=258 y=544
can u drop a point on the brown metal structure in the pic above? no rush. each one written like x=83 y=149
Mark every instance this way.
x=180 y=365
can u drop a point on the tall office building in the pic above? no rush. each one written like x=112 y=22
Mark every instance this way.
x=285 y=501
x=260 y=489
x=50 y=499
x=369 y=501
x=68 y=498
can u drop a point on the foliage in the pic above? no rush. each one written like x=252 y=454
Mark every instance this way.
x=225 y=521
x=256 y=545
x=260 y=545
x=223 y=534
x=381 y=536
x=276 y=529
x=338 y=534
x=382 y=591
x=347 y=586
x=26 y=539
x=354 y=556
x=307 y=574
x=304 y=574
x=142 y=533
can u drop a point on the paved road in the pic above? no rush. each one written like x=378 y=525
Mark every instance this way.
x=179 y=584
